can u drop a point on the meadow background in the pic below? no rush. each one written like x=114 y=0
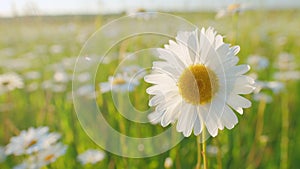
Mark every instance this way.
x=43 y=46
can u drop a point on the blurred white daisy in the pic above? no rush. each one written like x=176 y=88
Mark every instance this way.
x=10 y=81
x=274 y=86
x=287 y=75
x=2 y=154
x=31 y=140
x=258 y=62
x=87 y=91
x=56 y=49
x=32 y=75
x=32 y=86
x=90 y=157
x=168 y=162
x=134 y=70
x=83 y=77
x=50 y=154
x=231 y=10
x=27 y=165
x=198 y=83
x=61 y=77
x=286 y=66
x=285 y=62
x=141 y=14
x=212 y=150
x=262 y=97
x=50 y=85
x=119 y=83
x=16 y=64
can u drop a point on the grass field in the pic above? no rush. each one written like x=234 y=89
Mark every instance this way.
x=42 y=50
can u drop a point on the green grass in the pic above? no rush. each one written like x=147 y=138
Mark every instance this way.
x=256 y=32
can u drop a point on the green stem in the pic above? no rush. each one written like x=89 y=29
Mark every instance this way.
x=258 y=132
x=198 y=166
x=219 y=155
x=204 y=150
x=284 y=133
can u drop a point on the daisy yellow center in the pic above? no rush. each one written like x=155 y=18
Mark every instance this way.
x=31 y=143
x=5 y=83
x=49 y=157
x=198 y=84
x=118 y=81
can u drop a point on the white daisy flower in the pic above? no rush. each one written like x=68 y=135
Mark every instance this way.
x=168 y=162
x=32 y=75
x=231 y=9
x=287 y=75
x=134 y=70
x=212 y=150
x=258 y=62
x=287 y=68
x=262 y=97
x=56 y=49
x=29 y=163
x=50 y=154
x=275 y=86
x=2 y=154
x=61 y=77
x=91 y=156
x=9 y=82
x=83 y=77
x=141 y=14
x=198 y=83
x=32 y=140
x=119 y=83
x=87 y=91
x=286 y=62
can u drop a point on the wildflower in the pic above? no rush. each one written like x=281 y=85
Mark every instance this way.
x=61 y=77
x=50 y=154
x=141 y=14
x=231 y=10
x=32 y=140
x=262 y=97
x=120 y=83
x=87 y=91
x=9 y=82
x=212 y=150
x=198 y=83
x=168 y=162
x=32 y=75
x=286 y=68
x=2 y=154
x=134 y=70
x=91 y=156
x=28 y=164
x=258 y=62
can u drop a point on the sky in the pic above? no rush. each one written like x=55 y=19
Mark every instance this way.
x=10 y=8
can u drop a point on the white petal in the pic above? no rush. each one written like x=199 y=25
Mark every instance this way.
x=186 y=120
x=197 y=126
x=170 y=58
x=171 y=114
x=229 y=118
x=211 y=126
x=155 y=117
x=238 y=70
x=161 y=89
x=238 y=102
x=156 y=99
x=235 y=50
x=159 y=79
x=165 y=67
